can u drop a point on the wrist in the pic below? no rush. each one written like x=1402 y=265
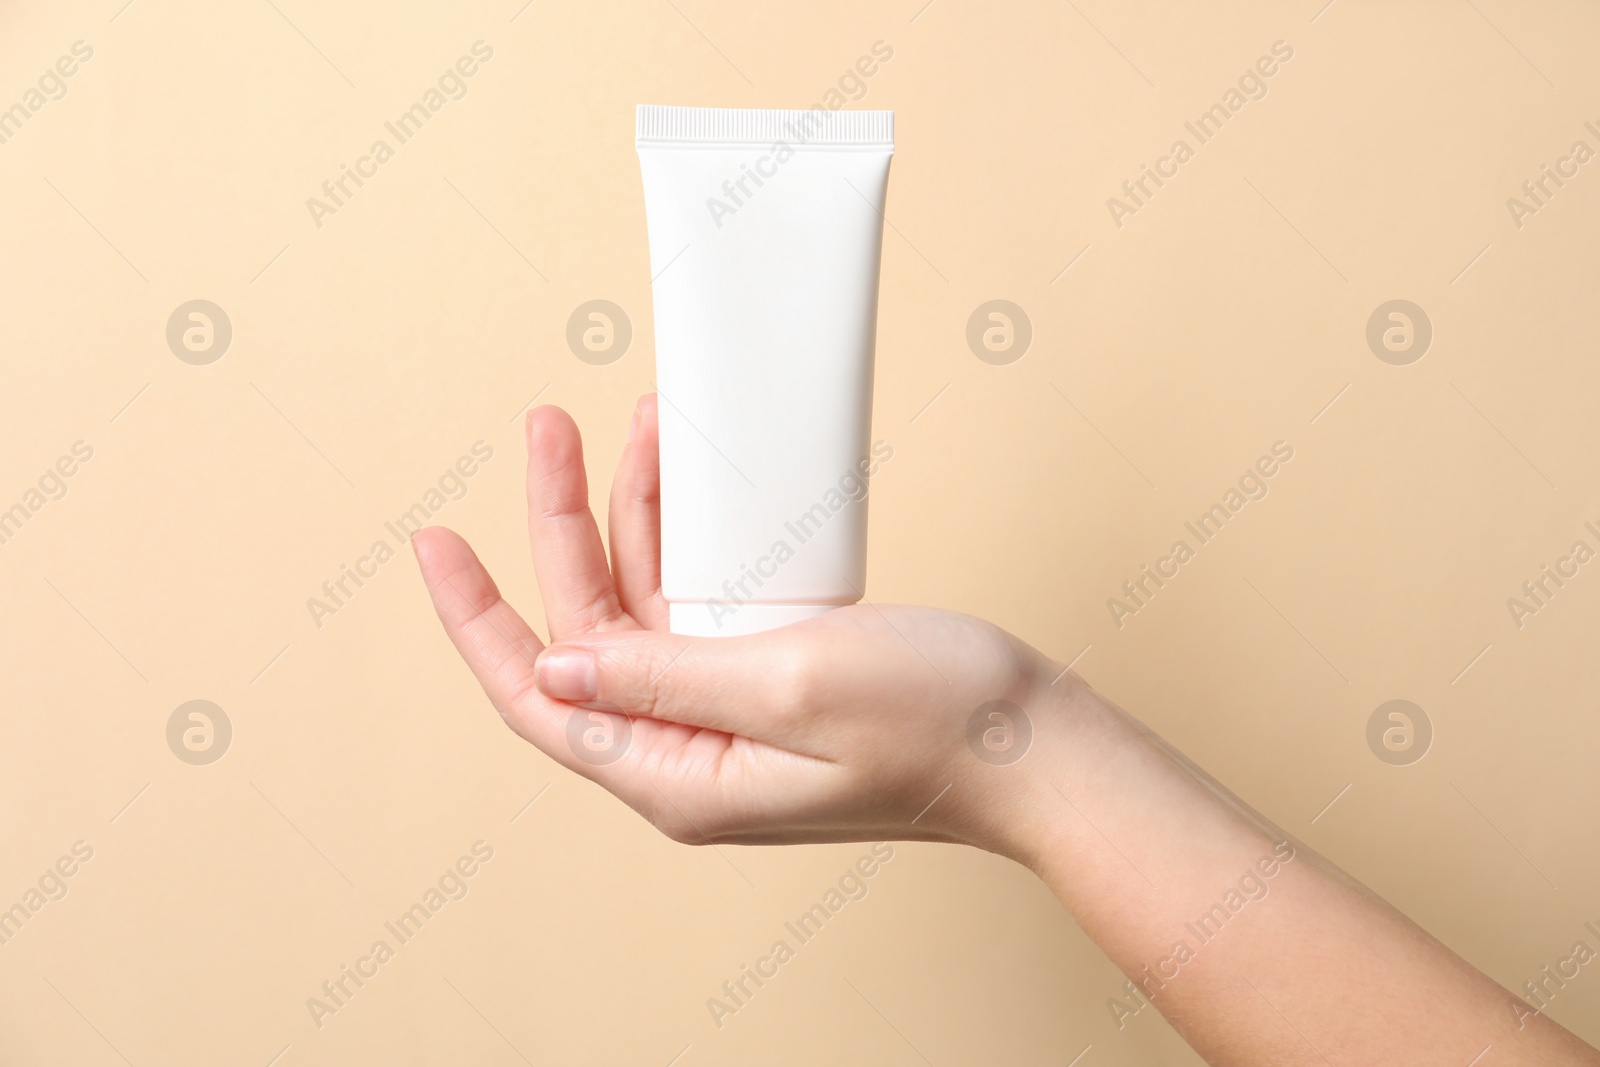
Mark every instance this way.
x=1060 y=727
x=1105 y=811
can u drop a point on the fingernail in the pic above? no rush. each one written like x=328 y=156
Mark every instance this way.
x=567 y=674
x=633 y=427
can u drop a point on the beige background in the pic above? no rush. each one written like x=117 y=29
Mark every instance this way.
x=370 y=353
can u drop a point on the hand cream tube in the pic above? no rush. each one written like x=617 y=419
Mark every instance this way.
x=766 y=229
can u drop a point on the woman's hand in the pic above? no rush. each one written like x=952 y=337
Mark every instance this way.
x=876 y=722
x=851 y=726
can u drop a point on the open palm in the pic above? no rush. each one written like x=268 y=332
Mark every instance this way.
x=838 y=728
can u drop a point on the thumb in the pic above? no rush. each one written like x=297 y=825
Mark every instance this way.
x=755 y=686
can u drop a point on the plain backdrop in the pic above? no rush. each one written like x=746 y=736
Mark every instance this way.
x=374 y=345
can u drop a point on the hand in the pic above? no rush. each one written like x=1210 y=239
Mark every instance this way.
x=855 y=726
x=845 y=727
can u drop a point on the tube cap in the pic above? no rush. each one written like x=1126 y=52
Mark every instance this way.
x=722 y=619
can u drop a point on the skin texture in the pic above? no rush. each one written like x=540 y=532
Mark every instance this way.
x=855 y=727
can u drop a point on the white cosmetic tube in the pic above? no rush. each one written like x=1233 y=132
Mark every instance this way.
x=766 y=230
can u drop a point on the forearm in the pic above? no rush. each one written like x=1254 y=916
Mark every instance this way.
x=1255 y=948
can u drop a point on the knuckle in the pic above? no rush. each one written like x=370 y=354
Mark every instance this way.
x=600 y=606
x=675 y=825
x=684 y=834
x=629 y=674
x=666 y=681
x=652 y=690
